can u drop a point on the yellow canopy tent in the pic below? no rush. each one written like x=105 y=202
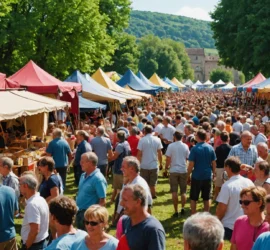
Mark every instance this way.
x=157 y=81
x=177 y=83
x=101 y=77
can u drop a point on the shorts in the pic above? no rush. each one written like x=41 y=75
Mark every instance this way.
x=219 y=177
x=117 y=181
x=178 y=179
x=200 y=186
x=150 y=176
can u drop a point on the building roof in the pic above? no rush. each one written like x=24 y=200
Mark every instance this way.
x=195 y=51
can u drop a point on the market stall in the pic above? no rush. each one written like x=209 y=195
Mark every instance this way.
x=23 y=126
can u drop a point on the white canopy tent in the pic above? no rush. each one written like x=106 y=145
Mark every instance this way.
x=188 y=83
x=196 y=84
x=229 y=86
x=35 y=109
x=220 y=83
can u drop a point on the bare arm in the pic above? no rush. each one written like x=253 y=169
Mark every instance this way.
x=168 y=162
x=114 y=156
x=139 y=155
x=190 y=167
x=54 y=193
x=233 y=247
x=102 y=202
x=110 y=154
x=221 y=210
x=34 y=230
x=214 y=165
x=160 y=157
x=266 y=186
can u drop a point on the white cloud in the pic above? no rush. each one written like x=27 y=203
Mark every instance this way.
x=197 y=13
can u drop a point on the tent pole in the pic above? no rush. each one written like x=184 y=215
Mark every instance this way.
x=25 y=127
x=3 y=133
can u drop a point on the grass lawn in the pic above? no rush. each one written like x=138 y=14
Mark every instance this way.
x=162 y=210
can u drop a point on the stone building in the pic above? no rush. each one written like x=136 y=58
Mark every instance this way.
x=204 y=61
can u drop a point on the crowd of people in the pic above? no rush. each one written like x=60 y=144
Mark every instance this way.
x=213 y=141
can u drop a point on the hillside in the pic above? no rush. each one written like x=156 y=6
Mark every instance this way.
x=193 y=33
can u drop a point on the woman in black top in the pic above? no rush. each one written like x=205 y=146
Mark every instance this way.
x=51 y=185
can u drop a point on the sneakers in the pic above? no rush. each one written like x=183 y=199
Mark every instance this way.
x=175 y=215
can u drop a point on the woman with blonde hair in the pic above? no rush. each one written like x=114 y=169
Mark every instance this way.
x=96 y=220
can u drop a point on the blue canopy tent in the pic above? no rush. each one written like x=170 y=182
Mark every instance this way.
x=149 y=83
x=135 y=83
x=94 y=91
x=87 y=105
x=260 y=85
x=173 y=86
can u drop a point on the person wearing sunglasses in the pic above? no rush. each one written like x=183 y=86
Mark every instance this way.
x=263 y=241
x=96 y=222
x=248 y=227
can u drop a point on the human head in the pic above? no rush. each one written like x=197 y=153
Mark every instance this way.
x=148 y=129
x=267 y=208
x=254 y=130
x=130 y=166
x=201 y=135
x=46 y=165
x=121 y=135
x=262 y=149
x=100 y=131
x=62 y=211
x=134 y=199
x=98 y=214
x=221 y=125
x=6 y=165
x=203 y=231
x=263 y=128
x=167 y=120
x=232 y=165
x=246 y=139
x=81 y=136
x=257 y=196
x=89 y=162
x=57 y=133
x=224 y=136
x=188 y=129
x=261 y=170
x=28 y=185
x=178 y=135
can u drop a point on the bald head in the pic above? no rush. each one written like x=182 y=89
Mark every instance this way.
x=262 y=149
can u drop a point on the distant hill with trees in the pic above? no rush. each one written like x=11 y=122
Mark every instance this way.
x=193 y=33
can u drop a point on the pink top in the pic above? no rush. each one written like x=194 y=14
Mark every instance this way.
x=244 y=235
x=119 y=228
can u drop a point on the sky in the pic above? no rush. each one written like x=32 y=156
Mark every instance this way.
x=198 y=9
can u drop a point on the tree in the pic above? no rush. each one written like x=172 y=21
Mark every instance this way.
x=179 y=49
x=5 y=7
x=242 y=33
x=59 y=36
x=221 y=74
x=242 y=77
x=118 y=12
x=126 y=55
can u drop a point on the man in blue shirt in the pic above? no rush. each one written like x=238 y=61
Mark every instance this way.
x=60 y=151
x=8 y=207
x=83 y=147
x=92 y=187
x=62 y=213
x=202 y=163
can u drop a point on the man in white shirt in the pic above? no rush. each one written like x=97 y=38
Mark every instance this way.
x=34 y=231
x=149 y=153
x=246 y=125
x=229 y=209
x=258 y=137
x=180 y=123
x=176 y=159
x=266 y=117
x=166 y=134
x=131 y=173
x=158 y=125
x=238 y=126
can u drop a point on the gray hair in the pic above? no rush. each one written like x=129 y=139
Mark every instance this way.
x=221 y=123
x=132 y=162
x=83 y=133
x=134 y=130
x=263 y=145
x=57 y=133
x=101 y=130
x=30 y=180
x=6 y=161
x=91 y=156
x=138 y=193
x=203 y=231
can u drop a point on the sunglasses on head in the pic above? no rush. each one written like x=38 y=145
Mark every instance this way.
x=245 y=202
x=91 y=223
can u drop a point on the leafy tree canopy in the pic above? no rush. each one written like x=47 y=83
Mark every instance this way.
x=191 y=32
x=59 y=36
x=165 y=57
x=221 y=74
x=126 y=55
x=242 y=33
